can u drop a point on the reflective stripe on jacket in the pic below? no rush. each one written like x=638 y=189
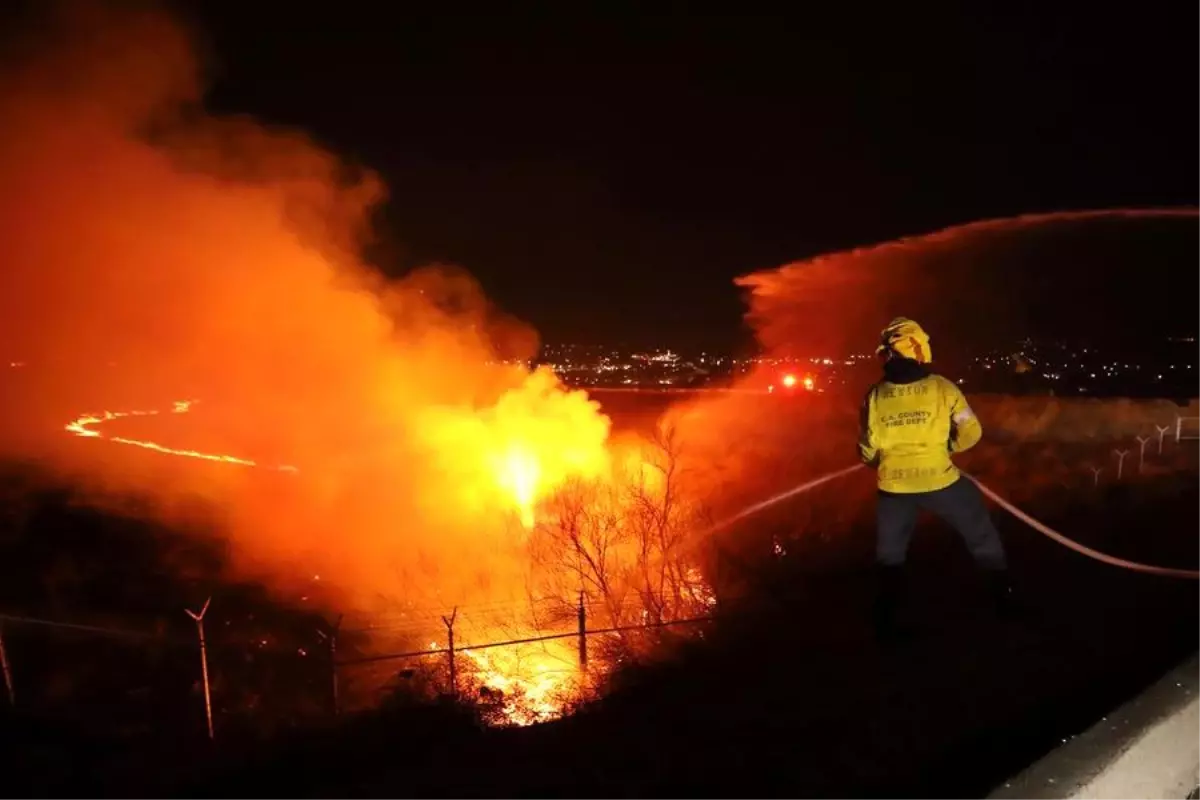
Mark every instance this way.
x=909 y=431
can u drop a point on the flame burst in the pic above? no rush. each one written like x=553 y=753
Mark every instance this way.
x=519 y=473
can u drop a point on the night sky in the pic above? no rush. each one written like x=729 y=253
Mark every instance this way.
x=606 y=177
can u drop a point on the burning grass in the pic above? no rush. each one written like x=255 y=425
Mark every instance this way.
x=606 y=551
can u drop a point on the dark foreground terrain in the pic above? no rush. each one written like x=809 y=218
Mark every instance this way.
x=787 y=693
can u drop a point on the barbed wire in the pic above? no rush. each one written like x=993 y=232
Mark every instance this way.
x=179 y=640
x=567 y=606
x=385 y=622
x=168 y=639
x=76 y=626
x=414 y=627
x=527 y=640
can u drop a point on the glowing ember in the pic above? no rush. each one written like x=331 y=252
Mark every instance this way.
x=789 y=380
x=699 y=590
x=534 y=682
x=84 y=426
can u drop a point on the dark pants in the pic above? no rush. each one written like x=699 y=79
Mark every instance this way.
x=960 y=504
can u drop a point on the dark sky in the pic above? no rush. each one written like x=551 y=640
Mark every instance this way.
x=606 y=177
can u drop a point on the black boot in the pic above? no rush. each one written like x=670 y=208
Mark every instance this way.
x=889 y=595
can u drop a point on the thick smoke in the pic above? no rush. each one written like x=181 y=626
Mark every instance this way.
x=153 y=252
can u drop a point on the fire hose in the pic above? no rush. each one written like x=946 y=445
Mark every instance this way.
x=1037 y=525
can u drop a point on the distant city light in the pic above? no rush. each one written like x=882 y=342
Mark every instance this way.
x=1060 y=366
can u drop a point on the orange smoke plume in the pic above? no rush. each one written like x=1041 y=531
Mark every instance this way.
x=155 y=253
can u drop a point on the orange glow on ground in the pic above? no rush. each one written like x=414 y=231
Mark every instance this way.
x=535 y=682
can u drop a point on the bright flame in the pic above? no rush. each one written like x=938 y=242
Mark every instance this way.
x=519 y=474
x=808 y=383
x=699 y=590
x=535 y=681
x=515 y=454
x=85 y=423
x=789 y=380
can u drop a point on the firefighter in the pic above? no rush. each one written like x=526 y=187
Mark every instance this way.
x=912 y=422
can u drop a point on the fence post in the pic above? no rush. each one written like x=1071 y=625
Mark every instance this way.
x=1178 y=428
x=331 y=638
x=450 y=650
x=1142 y=442
x=1096 y=475
x=583 y=653
x=8 y=682
x=1162 y=432
x=199 y=618
x=1120 y=454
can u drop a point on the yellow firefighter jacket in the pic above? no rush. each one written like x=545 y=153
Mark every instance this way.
x=910 y=429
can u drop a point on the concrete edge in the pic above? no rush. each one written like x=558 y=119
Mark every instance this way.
x=1148 y=748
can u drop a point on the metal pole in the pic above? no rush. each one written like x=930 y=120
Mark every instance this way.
x=199 y=618
x=8 y=681
x=1096 y=475
x=333 y=669
x=583 y=653
x=1142 y=442
x=331 y=638
x=1178 y=428
x=450 y=650
x=1120 y=454
x=1162 y=432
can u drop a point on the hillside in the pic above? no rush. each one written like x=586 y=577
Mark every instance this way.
x=786 y=692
